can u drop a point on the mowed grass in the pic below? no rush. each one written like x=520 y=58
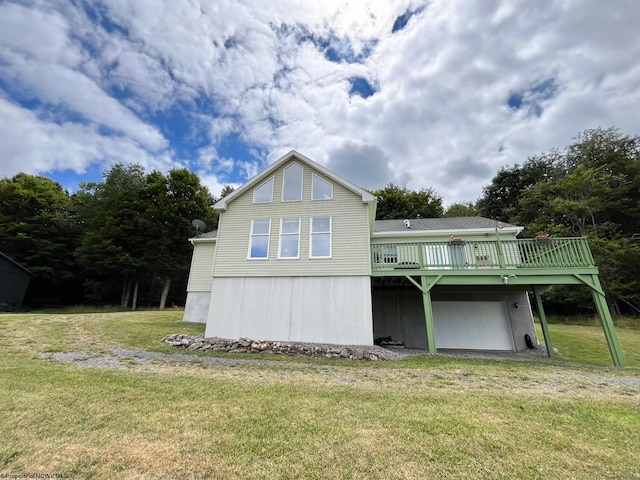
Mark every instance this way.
x=425 y=417
x=587 y=344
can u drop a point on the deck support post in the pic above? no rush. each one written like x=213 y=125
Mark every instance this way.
x=543 y=323
x=428 y=315
x=607 y=323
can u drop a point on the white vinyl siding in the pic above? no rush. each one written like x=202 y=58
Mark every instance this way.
x=289 y=246
x=264 y=193
x=320 y=189
x=320 y=237
x=350 y=250
x=200 y=273
x=260 y=236
x=292 y=183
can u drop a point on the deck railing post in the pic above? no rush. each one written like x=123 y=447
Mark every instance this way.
x=421 y=262
x=543 y=323
x=428 y=315
x=499 y=249
x=607 y=324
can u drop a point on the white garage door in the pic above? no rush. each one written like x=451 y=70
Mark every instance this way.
x=472 y=325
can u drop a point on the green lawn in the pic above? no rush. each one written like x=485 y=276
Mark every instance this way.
x=587 y=344
x=427 y=417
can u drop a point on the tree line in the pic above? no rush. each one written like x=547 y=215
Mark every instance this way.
x=122 y=241
x=591 y=188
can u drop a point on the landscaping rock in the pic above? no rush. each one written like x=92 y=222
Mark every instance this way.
x=247 y=345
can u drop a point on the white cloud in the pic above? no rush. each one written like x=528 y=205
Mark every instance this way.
x=32 y=145
x=439 y=117
x=213 y=183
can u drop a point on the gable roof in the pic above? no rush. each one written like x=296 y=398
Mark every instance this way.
x=17 y=264
x=441 y=225
x=223 y=202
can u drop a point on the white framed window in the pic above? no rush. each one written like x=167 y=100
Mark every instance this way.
x=320 y=189
x=292 y=183
x=289 y=246
x=320 y=238
x=264 y=193
x=259 y=243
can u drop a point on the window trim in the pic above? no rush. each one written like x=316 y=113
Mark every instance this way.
x=314 y=176
x=284 y=177
x=282 y=219
x=273 y=182
x=311 y=233
x=252 y=235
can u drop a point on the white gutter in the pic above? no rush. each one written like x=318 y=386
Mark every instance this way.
x=200 y=239
x=450 y=231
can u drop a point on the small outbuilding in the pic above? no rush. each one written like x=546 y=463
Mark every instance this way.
x=14 y=280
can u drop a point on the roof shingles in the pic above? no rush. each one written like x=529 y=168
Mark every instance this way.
x=446 y=223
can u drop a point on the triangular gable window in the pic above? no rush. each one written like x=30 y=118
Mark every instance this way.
x=264 y=193
x=321 y=189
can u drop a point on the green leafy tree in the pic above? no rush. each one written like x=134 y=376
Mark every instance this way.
x=501 y=198
x=396 y=202
x=37 y=230
x=174 y=202
x=226 y=190
x=114 y=244
x=590 y=189
x=138 y=225
x=468 y=209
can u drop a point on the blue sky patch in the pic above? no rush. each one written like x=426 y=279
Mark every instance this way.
x=335 y=49
x=340 y=50
x=99 y=15
x=515 y=101
x=532 y=99
x=402 y=20
x=70 y=179
x=360 y=86
x=232 y=146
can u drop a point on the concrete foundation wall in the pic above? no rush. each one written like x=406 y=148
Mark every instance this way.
x=306 y=309
x=197 y=307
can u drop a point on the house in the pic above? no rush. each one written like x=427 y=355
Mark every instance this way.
x=299 y=256
x=14 y=280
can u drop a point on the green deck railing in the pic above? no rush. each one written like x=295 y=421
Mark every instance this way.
x=552 y=253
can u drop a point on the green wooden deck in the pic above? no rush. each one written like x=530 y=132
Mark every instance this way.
x=553 y=256
x=528 y=264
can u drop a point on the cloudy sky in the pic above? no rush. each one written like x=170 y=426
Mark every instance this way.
x=434 y=94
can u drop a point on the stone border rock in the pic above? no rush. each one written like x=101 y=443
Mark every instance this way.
x=296 y=349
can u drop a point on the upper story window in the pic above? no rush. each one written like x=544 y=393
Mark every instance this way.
x=292 y=183
x=320 y=189
x=260 y=234
x=264 y=193
x=320 y=237
x=289 y=238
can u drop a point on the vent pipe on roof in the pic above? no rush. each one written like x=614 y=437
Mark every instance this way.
x=407 y=223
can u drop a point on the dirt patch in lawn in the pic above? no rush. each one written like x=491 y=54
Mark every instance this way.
x=552 y=379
